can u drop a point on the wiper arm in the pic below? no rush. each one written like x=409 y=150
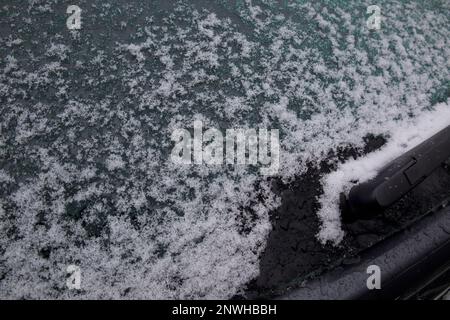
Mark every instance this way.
x=396 y=179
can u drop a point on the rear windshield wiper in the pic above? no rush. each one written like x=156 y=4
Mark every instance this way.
x=396 y=179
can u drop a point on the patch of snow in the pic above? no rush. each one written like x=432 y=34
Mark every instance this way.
x=403 y=137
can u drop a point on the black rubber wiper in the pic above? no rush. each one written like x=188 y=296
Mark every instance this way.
x=410 y=262
x=396 y=179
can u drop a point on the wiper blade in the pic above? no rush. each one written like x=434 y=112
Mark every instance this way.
x=396 y=179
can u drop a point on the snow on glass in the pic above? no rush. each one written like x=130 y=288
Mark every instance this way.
x=87 y=117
